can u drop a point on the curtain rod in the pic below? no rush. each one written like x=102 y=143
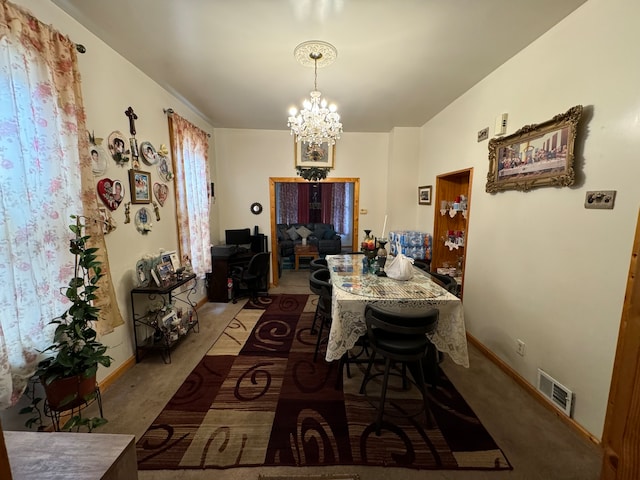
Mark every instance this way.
x=169 y=111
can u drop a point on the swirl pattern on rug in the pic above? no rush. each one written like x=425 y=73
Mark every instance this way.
x=257 y=398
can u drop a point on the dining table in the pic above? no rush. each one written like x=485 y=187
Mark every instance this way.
x=354 y=287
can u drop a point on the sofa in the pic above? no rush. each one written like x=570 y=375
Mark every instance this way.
x=321 y=235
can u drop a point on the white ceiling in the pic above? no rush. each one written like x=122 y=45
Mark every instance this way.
x=399 y=62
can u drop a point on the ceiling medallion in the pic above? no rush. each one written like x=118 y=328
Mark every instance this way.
x=316 y=123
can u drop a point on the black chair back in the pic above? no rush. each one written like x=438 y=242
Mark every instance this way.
x=259 y=264
x=400 y=325
x=445 y=281
x=318 y=264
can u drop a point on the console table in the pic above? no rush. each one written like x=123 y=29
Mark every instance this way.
x=167 y=328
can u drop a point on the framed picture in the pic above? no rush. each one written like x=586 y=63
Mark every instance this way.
x=535 y=156
x=320 y=156
x=140 y=183
x=172 y=258
x=165 y=270
x=170 y=320
x=149 y=154
x=424 y=195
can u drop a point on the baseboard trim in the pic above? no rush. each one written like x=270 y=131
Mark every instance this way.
x=530 y=389
x=116 y=374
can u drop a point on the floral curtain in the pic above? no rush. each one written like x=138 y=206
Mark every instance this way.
x=287 y=201
x=327 y=202
x=45 y=177
x=303 y=202
x=341 y=214
x=190 y=151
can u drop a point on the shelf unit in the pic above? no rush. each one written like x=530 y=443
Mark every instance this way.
x=450 y=186
x=157 y=335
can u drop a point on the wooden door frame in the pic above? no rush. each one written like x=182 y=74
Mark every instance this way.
x=272 y=210
x=620 y=438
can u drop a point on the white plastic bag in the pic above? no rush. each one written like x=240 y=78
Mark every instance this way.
x=401 y=267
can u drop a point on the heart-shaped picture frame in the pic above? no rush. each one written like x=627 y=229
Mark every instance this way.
x=161 y=192
x=111 y=192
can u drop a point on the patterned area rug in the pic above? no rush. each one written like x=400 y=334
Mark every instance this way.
x=257 y=398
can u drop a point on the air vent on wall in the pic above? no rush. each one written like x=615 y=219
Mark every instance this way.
x=558 y=394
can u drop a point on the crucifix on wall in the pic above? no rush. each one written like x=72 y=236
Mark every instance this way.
x=132 y=141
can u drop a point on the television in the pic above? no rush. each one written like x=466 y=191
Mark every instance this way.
x=238 y=237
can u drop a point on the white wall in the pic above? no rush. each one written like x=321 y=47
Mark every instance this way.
x=402 y=189
x=540 y=267
x=246 y=159
x=110 y=84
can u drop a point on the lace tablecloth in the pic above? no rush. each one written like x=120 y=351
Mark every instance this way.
x=352 y=291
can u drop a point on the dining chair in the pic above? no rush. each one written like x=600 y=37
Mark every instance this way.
x=317 y=264
x=320 y=281
x=400 y=338
x=446 y=281
x=315 y=285
x=422 y=265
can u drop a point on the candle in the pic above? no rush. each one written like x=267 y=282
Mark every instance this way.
x=384 y=226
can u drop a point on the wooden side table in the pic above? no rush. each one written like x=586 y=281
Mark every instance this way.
x=310 y=251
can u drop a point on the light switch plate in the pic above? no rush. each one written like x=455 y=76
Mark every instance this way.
x=600 y=199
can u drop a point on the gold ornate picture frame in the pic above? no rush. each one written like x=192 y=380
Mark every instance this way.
x=310 y=156
x=535 y=156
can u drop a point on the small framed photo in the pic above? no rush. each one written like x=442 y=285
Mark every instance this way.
x=170 y=320
x=172 y=258
x=424 y=195
x=140 y=184
x=165 y=270
x=308 y=156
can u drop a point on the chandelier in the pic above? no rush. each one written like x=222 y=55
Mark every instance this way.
x=316 y=123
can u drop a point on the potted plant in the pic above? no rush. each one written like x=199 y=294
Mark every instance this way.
x=69 y=374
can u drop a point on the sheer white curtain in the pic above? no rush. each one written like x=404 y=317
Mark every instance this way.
x=190 y=150
x=40 y=187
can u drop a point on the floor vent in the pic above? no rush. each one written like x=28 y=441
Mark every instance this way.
x=557 y=393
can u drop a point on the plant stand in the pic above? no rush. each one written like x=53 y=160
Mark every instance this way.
x=56 y=414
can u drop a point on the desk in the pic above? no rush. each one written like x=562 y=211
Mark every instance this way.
x=352 y=291
x=222 y=266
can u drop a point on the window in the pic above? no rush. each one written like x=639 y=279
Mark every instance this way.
x=190 y=147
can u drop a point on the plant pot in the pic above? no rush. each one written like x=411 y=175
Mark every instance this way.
x=67 y=393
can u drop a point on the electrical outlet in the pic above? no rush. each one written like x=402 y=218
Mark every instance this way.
x=483 y=134
x=600 y=199
x=520 y=347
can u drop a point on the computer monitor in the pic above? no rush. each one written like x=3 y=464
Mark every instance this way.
x=238 y=237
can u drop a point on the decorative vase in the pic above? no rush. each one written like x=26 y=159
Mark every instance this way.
x=369 y=245
x=382 y=254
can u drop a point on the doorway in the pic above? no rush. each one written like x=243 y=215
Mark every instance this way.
x=272 y=212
